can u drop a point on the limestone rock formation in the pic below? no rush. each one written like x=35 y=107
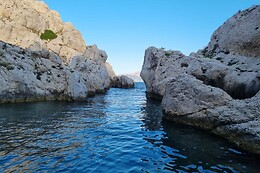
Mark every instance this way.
x=122 y=82
x=93 y=68
x=37 y=75
x=28 y=75
x=23 y=21
x=217 y=88
x=110 y=71
x=239 y=35
x=37 y=66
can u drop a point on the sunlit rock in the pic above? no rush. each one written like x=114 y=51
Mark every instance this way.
x=216 y=88
x=46 y=59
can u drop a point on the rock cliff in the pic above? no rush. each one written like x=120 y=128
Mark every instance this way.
x=22 y=22
x=43 y=58
x=217 y=88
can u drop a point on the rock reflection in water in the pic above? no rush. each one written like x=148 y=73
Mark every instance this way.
x=184 y=148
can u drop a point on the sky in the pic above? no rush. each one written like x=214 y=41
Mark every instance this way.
x=125 y=28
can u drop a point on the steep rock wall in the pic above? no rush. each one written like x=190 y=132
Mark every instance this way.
x=34 y=68
x=217 y=88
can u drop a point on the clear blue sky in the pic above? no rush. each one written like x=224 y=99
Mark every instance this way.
x=125 y=28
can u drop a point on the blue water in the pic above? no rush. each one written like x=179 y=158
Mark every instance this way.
x=120 y=131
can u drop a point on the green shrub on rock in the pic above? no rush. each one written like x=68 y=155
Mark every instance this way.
x=167 y=53
x=48 y=35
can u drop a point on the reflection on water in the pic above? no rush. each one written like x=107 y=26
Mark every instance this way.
x=183 y=148
x=116 y=132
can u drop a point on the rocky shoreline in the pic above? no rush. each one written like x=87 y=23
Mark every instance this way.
x=44 y=58
x=217 y=88
x=28 y=75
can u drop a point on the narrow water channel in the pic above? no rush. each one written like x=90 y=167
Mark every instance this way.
x=120 y=131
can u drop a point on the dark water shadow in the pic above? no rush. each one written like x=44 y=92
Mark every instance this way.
x=185 y=148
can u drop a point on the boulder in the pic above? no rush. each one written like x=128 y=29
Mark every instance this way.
x=217 y=88
x=122 y=82
x=93 y=68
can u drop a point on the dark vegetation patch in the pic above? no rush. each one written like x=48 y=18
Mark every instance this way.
x=48 y=35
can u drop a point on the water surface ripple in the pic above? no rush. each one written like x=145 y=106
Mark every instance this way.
x=117 y=132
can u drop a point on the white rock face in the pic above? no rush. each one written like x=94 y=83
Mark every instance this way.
x=37 y=75
x=239 y=35
x=221 y=93
x=62 y=68
x=93 y=68
x=110 y=71
x=23 y=21
x=40 y=75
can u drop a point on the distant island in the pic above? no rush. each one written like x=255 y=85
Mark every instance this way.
x=135 y=76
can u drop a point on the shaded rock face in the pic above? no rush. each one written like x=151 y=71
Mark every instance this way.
x=237 y=75
x=37 y=75
x=220 y=93
x=27 y=75
x=34 y=69
x=23 y=21
x=122 y=82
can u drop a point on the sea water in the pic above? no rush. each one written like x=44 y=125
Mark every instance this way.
x=120 y=131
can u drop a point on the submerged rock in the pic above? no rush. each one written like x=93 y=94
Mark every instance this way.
x=43 y=58
x=216 y=88
x=122 y=82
